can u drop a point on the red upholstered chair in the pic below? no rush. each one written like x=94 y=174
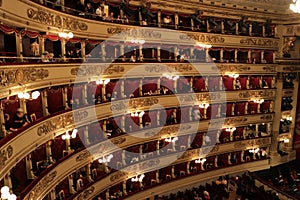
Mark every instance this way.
x=113 y=88
x=149 y=86
x=57 y=148
x=228 y=83
x=132 y=88
x=150 y=178
x=35 y=107
x=197 y=141
x=199 y=84
x=55 y=97
x=243 y=81
x=183 y=85
x=239 y=109
x=252 y=108
x=254 y=82
x=268 y=56
x=229 y=109
x=167 y=83
x=208 y=112
x=153 y=117
x=224 y=136
x=166 y=173
x=268 y=80
x=75 y=93
x=184 y=115
x=238 y=133
x=214 y=109
x=93 y=91
x=19 y=175
x=10 y=107
x=131 y=123
x=265 y=107
x=182 y=143
x=181 y=169
x=213 y=83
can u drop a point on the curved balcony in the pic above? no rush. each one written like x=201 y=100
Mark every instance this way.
x=37 y=76
x=52 y=126
x=29 y=13
x=55 y=173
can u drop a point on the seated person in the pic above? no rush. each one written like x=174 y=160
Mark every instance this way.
x=20 y=119
x=8 y=128
x=243 y=26
x=99 y=12
x=167 y=20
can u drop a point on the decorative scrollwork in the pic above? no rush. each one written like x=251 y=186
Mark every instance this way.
x=5 y=154
x=257 y=94
x=19 y=76
x=136 y=103
x=231 y=68
x=118 y=175
x=56 y=20
x=88 y=70
x=83 y=156
x=116 y=30
x=118 y=140
x=211 y=39
x=267 y=117
x=86 y=193
x=259 y=42
x=114 y=69
x=80 y=115
x=40 y=187
x=117 y=106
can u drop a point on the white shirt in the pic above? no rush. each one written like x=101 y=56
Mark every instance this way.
x=99 y=12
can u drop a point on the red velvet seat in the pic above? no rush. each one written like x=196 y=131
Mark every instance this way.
x=35 y=107
x=55 y=97
x=167 y=83
x=132 y=88
x=228 y=83
x=239 y=109
x=213 y=83
x=150 y=86
x=252 y=107
x=243 y=81
x=265 y=106
x=254 y=82
x=199 y=84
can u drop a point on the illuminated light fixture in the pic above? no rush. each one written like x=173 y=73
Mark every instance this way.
x=67 y=136
x=137 y=178
x=203 y=105
x=106 y=159
x=171 y=77
x=27 y=96
x=286 y=140
x=254 y=150
x=200 y=160
x=6 y=195
x=170 y=139
x=136 y=114
x=295 y=6
x=66 y=35
x=230 y=129
x=205 y=46
x=103 y=82
x=233 y=75
x=260 y=101
x=134 y=41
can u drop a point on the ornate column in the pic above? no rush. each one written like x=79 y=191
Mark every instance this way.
x=235 y=55
x=23 y=105
x=140 y=18
x=7 y=181
x=19 y=46
x=229 y=159
x=86 y=135
x=258 y=108
x=277 y=116
x=65 y=97
x=262 y=55
x=141 y=52
x=71 y=184
x=206 y=83
x=158 y=84
x=175 y=86
x=192 y=53
x=122 y=85
x=249 y=55
x=176 y=53
x=123 y=123
x=52 y=195
x=103 y=92
x=159 y=18
x=176 y=20
x=2 y=122
x=82 y=45
x=141 y=88
x=248 y=82
x=68 y=146
x=250 y=29
x=221 y=54
x=158 y=53
x=246 y=108
x=45 y=102
x=84 y=94
x=63 y=49
x=88 y=172
x=192 y=24
x=269 y=128
x=216 y=161
x=263 y=31
x=158 y=118
x=242 y=156
x=103 y=52
x=222 y=27
x=237 y=28
x=207 y=55
x=29 y=170
x=122 y=49
x=41 y=44
x=49 y=151
x=191 y=114
x=191 y=84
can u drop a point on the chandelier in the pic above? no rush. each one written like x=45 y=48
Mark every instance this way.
x=170 y=139
x=103 y=82
x=295 y=6
x=259 y=101
x=233 y=75
x=200 y=160
x=171 y=77
x=136 y=114
x=230 y=129
x=204 y=105
x=6 y=195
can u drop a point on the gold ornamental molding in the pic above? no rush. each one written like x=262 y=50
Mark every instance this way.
x=56 y=20
x=258 y=94
x=86 y=193
x=5 y=154
x=39 y=188
x=135 y=32
x=231 y=68
x=260 y=142
x=205 y=38
x=22 y=76
x=259 y=42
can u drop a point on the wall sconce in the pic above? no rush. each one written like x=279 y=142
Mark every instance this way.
x=138 y=179
x=103 y=82
x=230 y=129
x=233 y=75
x=66 y=35
x=204 y=105
x=136 y=114
x=260 y=101
x=67 y=136
x=6 y=195
x=254 y=150
x=170 y=139
x=106 y=159
x=200 y=160
x=286 y=140
x=171 y=77
x=27 y=96
x=295 y=6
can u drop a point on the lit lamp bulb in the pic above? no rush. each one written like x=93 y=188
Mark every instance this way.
x=35 y=94
x=12 y=197
x=74 y=132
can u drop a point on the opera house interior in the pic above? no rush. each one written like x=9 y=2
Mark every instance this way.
x=149 y=99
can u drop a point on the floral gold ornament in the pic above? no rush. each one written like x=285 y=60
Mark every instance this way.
x=259 y=42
